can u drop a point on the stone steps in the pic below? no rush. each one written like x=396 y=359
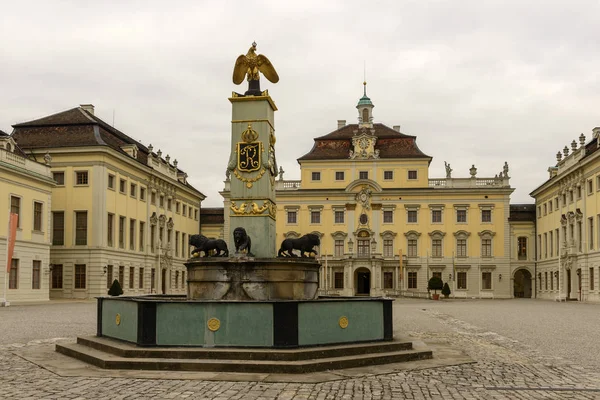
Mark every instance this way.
x=111 y=354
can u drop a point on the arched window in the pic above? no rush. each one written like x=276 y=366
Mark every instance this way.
x=437 y=243
x=412 y=241
x=461 y=243
x=363 y=244
x=486 y=243
x=365 y=115
x=9 y=147
x=388 y=243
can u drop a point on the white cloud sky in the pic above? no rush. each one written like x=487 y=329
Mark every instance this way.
x=478 y=82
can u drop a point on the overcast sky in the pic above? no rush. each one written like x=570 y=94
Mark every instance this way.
x=478 y=82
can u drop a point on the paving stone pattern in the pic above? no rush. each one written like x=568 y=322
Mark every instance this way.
x=507 y=367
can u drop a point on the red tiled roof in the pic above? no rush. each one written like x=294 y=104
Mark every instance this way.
x=390 y=143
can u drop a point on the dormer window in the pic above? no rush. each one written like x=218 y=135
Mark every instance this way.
x=131 y=150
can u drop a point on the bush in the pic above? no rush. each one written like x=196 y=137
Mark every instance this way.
x=115 y=289
x=446 y=290
x=435 y=283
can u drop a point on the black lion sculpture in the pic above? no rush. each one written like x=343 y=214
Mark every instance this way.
x=306 y=244
x=242 y=241
x=202 y=243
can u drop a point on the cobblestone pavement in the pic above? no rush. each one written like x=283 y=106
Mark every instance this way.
x=525 y=349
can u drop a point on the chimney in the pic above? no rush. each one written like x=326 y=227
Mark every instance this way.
x=397 y=128
x=341 y=123
x=88 y=107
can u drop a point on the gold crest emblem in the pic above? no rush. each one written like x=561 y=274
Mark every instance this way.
x=343 y=321
x=213 y=324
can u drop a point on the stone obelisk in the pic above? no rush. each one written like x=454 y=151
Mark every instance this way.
x=252 y=165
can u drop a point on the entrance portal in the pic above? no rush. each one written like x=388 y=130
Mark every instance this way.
x=363 y=282
x=522 y=283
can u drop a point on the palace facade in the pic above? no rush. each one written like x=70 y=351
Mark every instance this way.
x=386 y=227
x=25 y=190
x=568 y=224
x=119 y=209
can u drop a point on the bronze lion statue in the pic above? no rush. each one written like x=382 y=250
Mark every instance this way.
x=242 y=241
x=202 y=243
x=306 y=244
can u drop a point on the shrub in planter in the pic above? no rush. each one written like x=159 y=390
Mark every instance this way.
x=115 y=289
x=435 y=283
x=446 y=290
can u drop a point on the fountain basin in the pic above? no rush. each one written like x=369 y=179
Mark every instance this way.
x=215 y=278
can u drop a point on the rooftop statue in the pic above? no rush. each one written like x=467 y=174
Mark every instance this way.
x=249 y=66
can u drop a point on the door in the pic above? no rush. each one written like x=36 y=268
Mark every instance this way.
x=164 y=281
x=363 y=283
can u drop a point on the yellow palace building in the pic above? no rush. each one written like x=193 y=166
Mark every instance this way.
x=386 y=227
x=119 y=209
x=25 y=190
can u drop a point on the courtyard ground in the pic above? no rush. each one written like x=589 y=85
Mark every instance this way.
x=523 y=348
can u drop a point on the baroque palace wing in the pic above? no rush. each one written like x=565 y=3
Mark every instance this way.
x=239 y=69
x=265 y=66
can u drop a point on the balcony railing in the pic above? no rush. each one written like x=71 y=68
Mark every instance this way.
x=22 y=162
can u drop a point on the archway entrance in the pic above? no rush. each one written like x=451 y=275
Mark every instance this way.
x=522 y=283
x=362 y=282
x=164 y=281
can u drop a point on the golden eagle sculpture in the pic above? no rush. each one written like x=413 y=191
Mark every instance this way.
x=249 y=65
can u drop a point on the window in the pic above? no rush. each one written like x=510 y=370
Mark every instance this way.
x=161 y=201
x=412 y=280
x=461 y=216
x=579 y=236
x=412 y=175
x=546 y=280
x=486 y=280
x=80 y=276
x=133 y=190
x=142 y=227
x=169 y=236
x=141 y=279
x=122 y=187
x=339 y=248
x=545 y=209
x=316 y=176
x=153 y=197
x=571 y=198
x=183 y=244
x=81 y=178
x=545 y=245
x=176 y=243
x=183 y=279
x=388 y=280
x=37 y=216
x=436 y=248
x=196 y=214
x=388 y=175
x=152 y=279
x=412 y=247
x=291 y=217
x=578 y=192
x=339 y=217
x=338 y=280
x=591 y=278
x=121 y=276
x=177 y=205
x=522 y=248
x=169 y=204
x=35 y=274
x=131 y=234
x=111 y=182
x=388 y=216
x=461 y=280
x=556 y=203
x=388 y=248
x=15 y=208
x=339 y=175
x=161 y=236
x=550 y=206
x=184 y=209
x=176 y=279
x=461 y=247
x=190 y=209
x=590 y=186
x=109 y=276
x=486 y=247
x=486 y=215
x=436 y=216
x=364 y=247
x=57 y=276
x=131 y=276
x=81 y=228
x=13 y=274
x=315 y=217
x=551 y=280
x=412 y=216
x=152 y=238
x=122 y=232
x=363 y=175
x=59 y=178
x=58 y=228
x=110 y=230
x=142 y=193
x=591 y=238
